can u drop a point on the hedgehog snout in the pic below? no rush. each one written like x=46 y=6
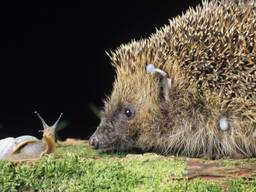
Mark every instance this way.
x=94 y=142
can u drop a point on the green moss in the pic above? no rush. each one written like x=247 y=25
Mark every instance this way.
x=245 y=185
x=78 y=168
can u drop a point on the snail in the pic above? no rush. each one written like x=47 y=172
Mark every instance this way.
x=28 y=148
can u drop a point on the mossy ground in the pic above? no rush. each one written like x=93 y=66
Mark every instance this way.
x=79 y=168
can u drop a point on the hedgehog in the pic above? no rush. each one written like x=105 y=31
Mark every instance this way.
x=189 y=89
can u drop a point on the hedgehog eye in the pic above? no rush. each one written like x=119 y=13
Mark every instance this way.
x=128 y=112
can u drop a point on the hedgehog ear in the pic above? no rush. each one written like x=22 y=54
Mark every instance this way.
x=165 y=83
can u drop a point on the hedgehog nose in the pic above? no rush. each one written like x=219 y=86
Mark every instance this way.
x=94 y=142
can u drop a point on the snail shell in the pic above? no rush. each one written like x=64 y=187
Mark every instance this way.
x=6 y=147
x=10 y=145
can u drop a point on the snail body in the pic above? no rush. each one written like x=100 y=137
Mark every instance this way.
x=28 y=148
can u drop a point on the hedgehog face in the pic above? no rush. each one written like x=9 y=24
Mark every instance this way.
x=112 y=134
x=134 y=101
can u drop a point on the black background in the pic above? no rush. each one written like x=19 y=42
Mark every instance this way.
x=53 y=58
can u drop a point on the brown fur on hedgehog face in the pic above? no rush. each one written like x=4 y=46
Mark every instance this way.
x=134 y=100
